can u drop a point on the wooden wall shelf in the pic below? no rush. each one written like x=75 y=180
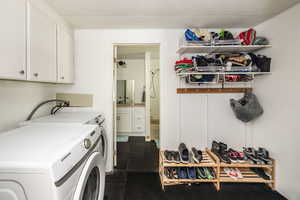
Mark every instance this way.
x=212 y=90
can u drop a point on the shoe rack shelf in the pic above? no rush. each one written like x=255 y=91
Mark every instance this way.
x=209 y=160
x=248 y=175
x=191 y=49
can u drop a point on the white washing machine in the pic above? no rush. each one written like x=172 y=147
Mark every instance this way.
x=51 y=162
x=79 y=116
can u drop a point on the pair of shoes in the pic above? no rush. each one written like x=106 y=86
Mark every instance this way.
x=233 y=173
x=261 y=173
x=260 y=157
x=191 y=173
x=263 y=155
x=220 y=149
x=205 y=173
x=189 y=157
x=172 y=156
x=235 y=156
x=171 y=172
x=186 y=173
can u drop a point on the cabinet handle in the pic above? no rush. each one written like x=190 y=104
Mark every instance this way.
x=62 y=78
x=36 y=74
x=22 y=72
x=118 y=117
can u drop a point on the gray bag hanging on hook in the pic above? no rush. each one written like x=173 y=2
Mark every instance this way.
x=246 y=108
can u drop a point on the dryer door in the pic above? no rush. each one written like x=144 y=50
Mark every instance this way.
x=104 y=143
x=90 y=182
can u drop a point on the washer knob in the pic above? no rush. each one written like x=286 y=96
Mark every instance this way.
x=87 y=143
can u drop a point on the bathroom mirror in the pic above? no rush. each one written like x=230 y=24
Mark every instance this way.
x=125 y=91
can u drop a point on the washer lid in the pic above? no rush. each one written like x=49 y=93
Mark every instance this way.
x=45 y=147
x=67 y=117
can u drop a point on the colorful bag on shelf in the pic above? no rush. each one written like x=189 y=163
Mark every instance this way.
x=248 y=36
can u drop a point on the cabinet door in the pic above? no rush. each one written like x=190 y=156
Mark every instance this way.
x=41 y=46
x=139 y=120
x=65 y=57
x=13 y=39
x=124 y=122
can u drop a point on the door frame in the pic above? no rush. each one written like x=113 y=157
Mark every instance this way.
x=114 y=107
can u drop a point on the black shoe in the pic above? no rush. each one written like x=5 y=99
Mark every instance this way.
x=197 y=155
x=168 y=156
x=184 y=153
x=263 y=155
x=223 y=146
x=260 y=172
x=224 y=157
x=176 y=157
x=251 y=155
x=215 y=147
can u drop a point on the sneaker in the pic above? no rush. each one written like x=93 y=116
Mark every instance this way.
x=260 y=172
x=240 y=156
x=168 y=156
x=223 y=146
x=215 y=147
x=191 y=173
x=197 y=155
x=183 y=173
x=238 y=172
x=174 y=173
x=184 y=153
x=176 y=157
x=233 y=157
x=263 y=155
x=212 y=172
x=208 y=173
x=251 y=155
x=200 y=173
x=220 y=150
x=168 y=173
x=224 y=157
x=231 y=173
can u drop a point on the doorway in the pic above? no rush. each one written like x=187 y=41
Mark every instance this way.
x=136 y=98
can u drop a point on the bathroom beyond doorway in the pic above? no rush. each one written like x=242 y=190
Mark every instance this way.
x=136 y=92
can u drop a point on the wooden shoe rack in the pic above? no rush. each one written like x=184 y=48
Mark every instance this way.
x=211 y=160
x=248 y=175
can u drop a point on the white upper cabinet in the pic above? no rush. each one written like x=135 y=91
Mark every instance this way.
x=41 y=46
x=65 y=56
x=12 y=39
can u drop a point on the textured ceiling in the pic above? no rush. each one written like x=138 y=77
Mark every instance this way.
x=168 y=13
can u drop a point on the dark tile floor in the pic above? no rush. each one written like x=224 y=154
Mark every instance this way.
x=136 y=178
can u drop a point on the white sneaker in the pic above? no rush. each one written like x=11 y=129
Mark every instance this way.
x=231 y=173
x=238 y=172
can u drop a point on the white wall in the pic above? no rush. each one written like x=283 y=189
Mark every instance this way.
x=183 y=117
x=278 y=128
x=17 y=99
x=135 y=70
